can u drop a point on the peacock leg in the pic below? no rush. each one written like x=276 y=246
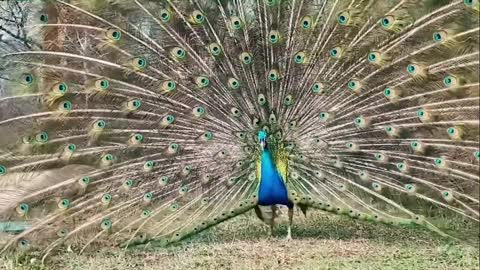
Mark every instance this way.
x=290 y=222
x=272 y=219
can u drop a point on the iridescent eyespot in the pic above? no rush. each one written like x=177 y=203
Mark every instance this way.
x=261 y=99
x=343 y=18
x=60 y=88
x=178 y=53
x=71 y=147
x=43 y=18
x=235 y=23
x=23 y=244
x=106 y=224
x=114 y=34
x=215 y=49
x=207 y=136
x=41 y=137
x=139 y=63
x=198 y=111
x=324 y=116
x=235 y=112
x=102 y=84
x=271 y=3
x=288 y=100
x=233 y=83
x=336 y=52
x=202 y=81
x=65 y=106
x=145 y=213
x=106 y=199
x=167 y=120
x=197 y=17
x=306 y=22
x=440 y=36
x=273 y=75
x=62 y=232
x=127 y=184
x=169 y=86
x=173 y=148
x=136 y=139
x=274 y=37
x=163 y=180
x=147 y=197
x=148 y=165
x=300 y=57
x=246 y=58
x=165 y=15
x=23 y=209
x=3 y=170
x=27 y=79
x=174 y=206
x=64 y=204
x=84 y=181
x=100 y=124
x=387 y=22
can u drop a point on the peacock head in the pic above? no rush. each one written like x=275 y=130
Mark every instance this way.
x=262 y=137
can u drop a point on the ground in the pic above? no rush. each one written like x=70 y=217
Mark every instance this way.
x=322 y=241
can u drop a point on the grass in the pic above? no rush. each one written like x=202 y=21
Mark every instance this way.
x=321 y=241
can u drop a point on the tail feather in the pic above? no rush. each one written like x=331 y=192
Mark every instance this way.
x=137 y=121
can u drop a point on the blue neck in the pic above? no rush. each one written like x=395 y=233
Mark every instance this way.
x=272 y=187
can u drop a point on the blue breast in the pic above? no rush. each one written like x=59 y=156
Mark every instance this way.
x=272 y=187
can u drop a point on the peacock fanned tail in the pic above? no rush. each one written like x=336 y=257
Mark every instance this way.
x=134 y=122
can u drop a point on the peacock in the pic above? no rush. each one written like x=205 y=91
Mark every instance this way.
x=131 y=123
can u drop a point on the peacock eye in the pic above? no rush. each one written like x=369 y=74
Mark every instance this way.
x=343 y=18
x=27 y=79
x=273 y=75
x=233 y=83
x=271 y=2
x=288 y=100
x=114 y=35
x=207 y=135
x=215 y=49
x=476 y=154
x=139 y=63
x=3 y=170
x=336 y=52
x=468 y=3
x=235 y=112
x=84 y=180
x=178 y=53
x=61 y=88
x=198 y=17
x=261 y=99
x=198 y=111
x=411 y=68
x=106 y=224
x=386 y=22
x=307 y=22
x=65 y=106
x=165 y=15
x=100 y=124
x=128 y=184
x=43 y=18
x=202 y=81
x=440 y=36
x=373 y=57
x=300 y=58
x=274 y=37
x=41 y=137
x=246 y=58
x=145 y=214
x=235 y=22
